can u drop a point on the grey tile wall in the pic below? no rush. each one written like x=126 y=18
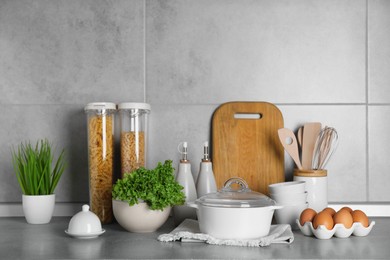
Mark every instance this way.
x=55 y=57
x=379 y=99
x=285 y=52
x=379 y=152
x=322 y=61
x=378 y=51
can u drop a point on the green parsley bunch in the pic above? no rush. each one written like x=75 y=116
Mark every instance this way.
x=157 y=187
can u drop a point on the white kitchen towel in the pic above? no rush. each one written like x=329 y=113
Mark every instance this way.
x=188 y=231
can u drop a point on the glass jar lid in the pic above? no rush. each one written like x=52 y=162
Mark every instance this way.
x=100 y=107
x=231 y=197
x=131 y=105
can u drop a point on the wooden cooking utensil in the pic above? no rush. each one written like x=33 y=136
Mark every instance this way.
x=300 y=136
x=310 y=134
x=246 y=144
x=290 y=144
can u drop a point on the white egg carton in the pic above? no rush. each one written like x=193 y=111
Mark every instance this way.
x=339 y=230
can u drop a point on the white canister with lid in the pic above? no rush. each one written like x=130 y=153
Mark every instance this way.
x=133 y=137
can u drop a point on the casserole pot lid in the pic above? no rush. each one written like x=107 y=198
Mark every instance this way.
x=230 y=197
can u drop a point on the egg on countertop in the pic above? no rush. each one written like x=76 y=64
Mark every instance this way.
x=323 y=218
x=347 y=208
x=307 y=215
x=343 y=217
x=330 y=210
x=360 y=216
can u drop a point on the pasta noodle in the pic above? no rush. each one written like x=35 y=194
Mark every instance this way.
x=101 y=155
x=132 y=151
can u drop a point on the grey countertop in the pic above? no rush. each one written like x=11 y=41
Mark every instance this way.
x=19 y=240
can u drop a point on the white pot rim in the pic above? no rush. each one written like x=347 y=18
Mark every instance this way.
x=53 y=194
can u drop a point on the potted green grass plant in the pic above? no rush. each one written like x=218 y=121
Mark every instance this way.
x=142 y=199
x=33 y=166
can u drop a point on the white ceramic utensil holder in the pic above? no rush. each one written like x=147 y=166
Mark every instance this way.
x=316 y=187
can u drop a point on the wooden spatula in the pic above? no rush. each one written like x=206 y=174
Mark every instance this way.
x=300 y=136
x=310 y=134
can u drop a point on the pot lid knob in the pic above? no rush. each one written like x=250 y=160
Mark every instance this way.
x=235 y=180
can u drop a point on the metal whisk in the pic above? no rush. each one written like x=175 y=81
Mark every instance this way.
x=324 y=148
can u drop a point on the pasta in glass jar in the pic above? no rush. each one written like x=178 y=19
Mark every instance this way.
x=133 y=139
x=100 y=123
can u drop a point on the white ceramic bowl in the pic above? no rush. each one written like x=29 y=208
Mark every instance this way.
x=290 y=198
x=85 y=224
x=139 y=218
x=289 y=213
x=287 y=187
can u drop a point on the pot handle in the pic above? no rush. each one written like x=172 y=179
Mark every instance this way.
x=192 y=204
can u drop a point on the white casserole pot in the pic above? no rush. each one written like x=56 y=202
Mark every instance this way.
x=235 y=213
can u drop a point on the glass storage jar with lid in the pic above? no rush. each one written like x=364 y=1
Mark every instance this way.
x=100 y=124
x=133 y=139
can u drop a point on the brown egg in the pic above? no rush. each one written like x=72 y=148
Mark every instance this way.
x=331 y=211
x=343 y=217
x=347 y=208
x=307 y=216
x=323 y=218
x=360 y=216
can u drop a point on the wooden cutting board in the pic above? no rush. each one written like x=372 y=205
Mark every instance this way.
x=245 y=144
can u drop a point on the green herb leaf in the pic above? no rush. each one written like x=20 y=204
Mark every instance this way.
x=157 y=187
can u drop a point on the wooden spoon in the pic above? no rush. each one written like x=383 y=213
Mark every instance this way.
x=290 y=144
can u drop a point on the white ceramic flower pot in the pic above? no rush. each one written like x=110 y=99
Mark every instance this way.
x=38 y=209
